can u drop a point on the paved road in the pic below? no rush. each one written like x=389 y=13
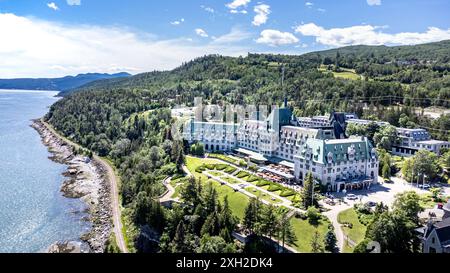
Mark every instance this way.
x=112 y=178
x=332 y=214
x=377 y=193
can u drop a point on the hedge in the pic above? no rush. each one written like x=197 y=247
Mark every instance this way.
x=242 y=174
x=200 y=169
x=274 y=187
x=221 y=167
x=287 y=193
x=230 y=170
x=262 y=183
x=252 y=178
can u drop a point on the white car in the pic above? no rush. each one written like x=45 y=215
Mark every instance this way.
x=425 y=186
x=351 y=196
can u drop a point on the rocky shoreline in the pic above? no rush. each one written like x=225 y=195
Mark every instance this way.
x=86 y=180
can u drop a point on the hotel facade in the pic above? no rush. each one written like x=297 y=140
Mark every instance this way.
x=335 y=161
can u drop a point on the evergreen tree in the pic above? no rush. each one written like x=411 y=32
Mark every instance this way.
x=330 y=241
x=316 y=244
x=286 y=231
x=269 y=220
x=227 y=220
x=308 y=191
x=179 y=241
x=251 y=216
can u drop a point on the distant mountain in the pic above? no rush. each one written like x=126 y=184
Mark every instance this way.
x=58 y=84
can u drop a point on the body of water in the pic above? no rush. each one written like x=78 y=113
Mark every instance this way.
x=33 y=212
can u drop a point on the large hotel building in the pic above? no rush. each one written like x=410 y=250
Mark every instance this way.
x=335 y=161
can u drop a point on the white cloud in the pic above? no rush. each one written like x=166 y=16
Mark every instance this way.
x=236 y=5
x=369 y=35
x=238 y=11
x=321 y=10
x=177 y=22
x=374 y=2
x=52 y=6
x=309 y=4
x=73 y=2
x=275 y=38
x=32 y=47
x=207 y=9
x=235 y=35
x=200 y=32
x=262 y=14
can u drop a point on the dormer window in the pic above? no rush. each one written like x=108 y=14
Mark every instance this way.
x=330 y=157
x=351 y=152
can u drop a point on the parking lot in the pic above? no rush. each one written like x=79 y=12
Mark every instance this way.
x=382 y=193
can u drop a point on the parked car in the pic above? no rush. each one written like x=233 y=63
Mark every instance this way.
x=351 y=196
x=424 y=186
x=371 y=204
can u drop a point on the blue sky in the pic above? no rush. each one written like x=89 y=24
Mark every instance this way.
x=59 y=37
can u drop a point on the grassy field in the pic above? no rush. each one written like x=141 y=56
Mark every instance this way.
x=237 y=201
x=357 y=232
x=349 y=74
x=305 y=231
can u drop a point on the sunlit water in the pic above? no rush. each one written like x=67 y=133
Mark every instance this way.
x=33 y=213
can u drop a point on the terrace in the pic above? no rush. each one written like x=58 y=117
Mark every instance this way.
x=276 y=173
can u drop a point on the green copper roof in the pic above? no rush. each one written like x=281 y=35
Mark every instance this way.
x=339 y=149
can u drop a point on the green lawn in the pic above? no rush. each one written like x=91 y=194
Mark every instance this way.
x=305 y=231
x=230 y=180
x=358 y=232
x=216 y=173
x=237 y=201
x=262 y=195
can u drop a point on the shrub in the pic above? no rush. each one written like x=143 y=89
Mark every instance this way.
x=274 y=187
x=177 y=176
x=301 y=215
x=230 y=170
x=210 y=166
x=200 y=169
x=252 y=178
x=242 y=174
x=242 y=163
x=221 y=167
x=287 y=193
x=313 y=215
x=262 y=183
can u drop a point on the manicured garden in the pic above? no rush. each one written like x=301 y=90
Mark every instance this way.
x=237 y=201
x=263 y=196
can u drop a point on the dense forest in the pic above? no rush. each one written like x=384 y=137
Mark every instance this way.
x=128 y=120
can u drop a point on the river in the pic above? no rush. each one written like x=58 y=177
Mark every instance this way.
x=33 y=212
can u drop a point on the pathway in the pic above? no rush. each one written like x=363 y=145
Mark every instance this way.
x=167 y=196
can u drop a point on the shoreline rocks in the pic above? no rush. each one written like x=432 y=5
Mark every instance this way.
x=86 y=180
x=69 y=247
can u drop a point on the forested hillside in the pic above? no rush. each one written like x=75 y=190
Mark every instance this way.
x=64 y=84
x=102 y=115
